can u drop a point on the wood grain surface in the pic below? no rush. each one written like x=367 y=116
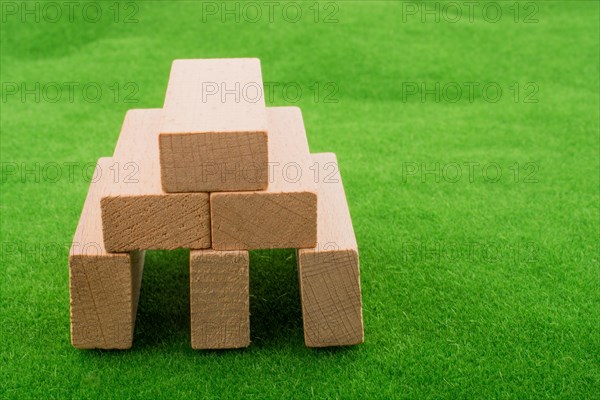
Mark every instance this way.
x=219 y=299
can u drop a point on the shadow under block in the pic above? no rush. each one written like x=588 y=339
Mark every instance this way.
x=284 y=215
x=136 y=212
x=329 y=274
x=213 y=134
x=104 y=287
x=219 y=299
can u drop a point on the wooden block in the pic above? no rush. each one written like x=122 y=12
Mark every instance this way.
x=219 y=299
x=136 y=212
x=284 y=215
x=329 y=273
x=214 y=127
x=104 y=286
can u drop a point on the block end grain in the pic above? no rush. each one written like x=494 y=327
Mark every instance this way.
x=331 y=297
x=150 y=222
x=219 y=299
x=104 y=295
x=265 y=220
x=212 y=161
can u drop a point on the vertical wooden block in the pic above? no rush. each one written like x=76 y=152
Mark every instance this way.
x=329 y=273
x=219 y=299
x=104 y=287
x=136 y=212
x=284 y=215
x=213 y=135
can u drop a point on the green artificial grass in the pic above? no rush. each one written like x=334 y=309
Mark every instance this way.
x=475 y=286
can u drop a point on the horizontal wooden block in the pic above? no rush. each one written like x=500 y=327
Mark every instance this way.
x=284 y=215
x=214 y=127
x=219 y=299
x=329 y=273
x=104 y=287
x=136 y=212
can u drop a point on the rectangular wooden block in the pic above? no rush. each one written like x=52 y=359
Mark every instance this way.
x=104 y=287
x=284 y=215
x=136 y=212
x=213 y=134
x=329 y=273
x=219 y=299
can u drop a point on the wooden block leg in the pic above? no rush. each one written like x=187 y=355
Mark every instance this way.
x=104 y=296
x=331 y=299
x=330 y=273
x=219 y=299
x=104 y=286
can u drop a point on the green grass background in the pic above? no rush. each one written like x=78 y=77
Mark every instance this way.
x=520 y=324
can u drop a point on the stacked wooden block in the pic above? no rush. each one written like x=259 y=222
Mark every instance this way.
x=219 y=173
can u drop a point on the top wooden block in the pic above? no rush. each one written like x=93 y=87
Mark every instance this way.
x=213 y=132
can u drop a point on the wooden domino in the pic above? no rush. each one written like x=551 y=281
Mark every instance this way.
x=213 y=134
x=136 y=212
x=284 y=215
x=329 y=273
x=219 y=299
x=104 y=287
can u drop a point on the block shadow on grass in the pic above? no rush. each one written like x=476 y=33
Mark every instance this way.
x=275 y=309
x=163 y=316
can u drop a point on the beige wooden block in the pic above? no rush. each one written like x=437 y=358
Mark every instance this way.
x=219 y=299
x=284 y=215
x=329 y=273
x=136 y=212
x=214 y=127
x=104 y=287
